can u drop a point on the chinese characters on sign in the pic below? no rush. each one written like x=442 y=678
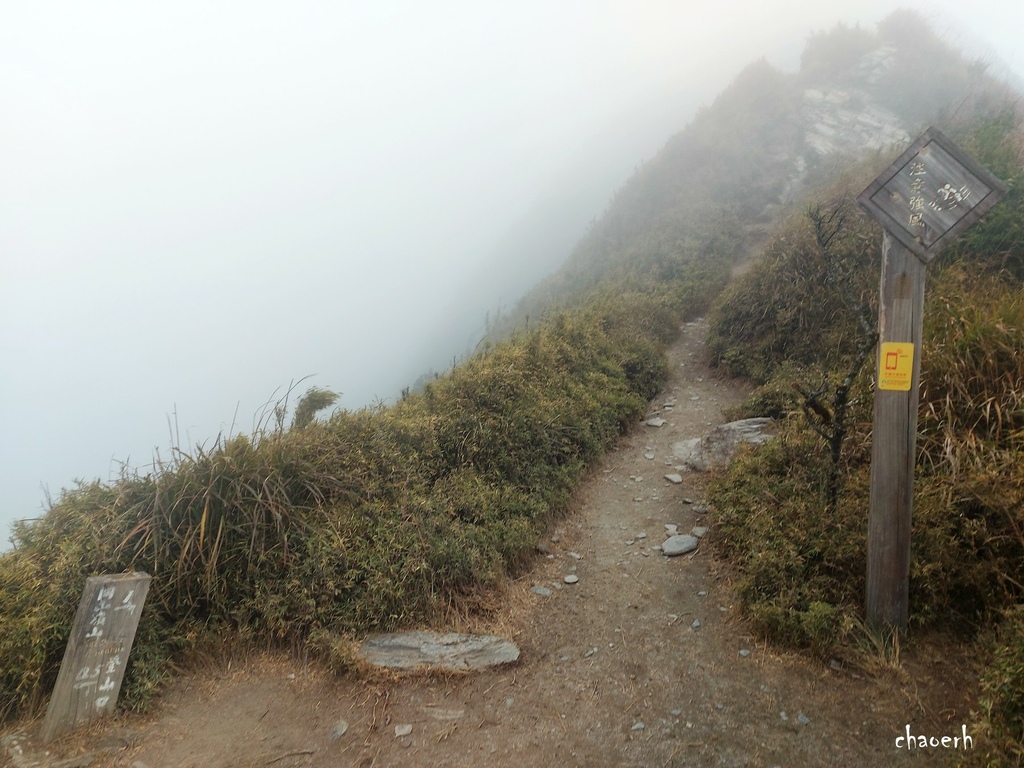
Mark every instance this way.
x=97 y=652
x=917 y=173
x=931 y=209
x=931 y=194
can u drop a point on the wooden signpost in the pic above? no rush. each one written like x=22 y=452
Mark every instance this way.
x=96 y=655
x=924 y=200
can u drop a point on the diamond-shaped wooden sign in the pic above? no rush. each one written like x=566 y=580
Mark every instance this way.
x=931 y=194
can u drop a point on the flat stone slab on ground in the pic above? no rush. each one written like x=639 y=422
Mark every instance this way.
x=438 y=650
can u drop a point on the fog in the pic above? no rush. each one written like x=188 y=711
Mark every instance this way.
x=201 y=203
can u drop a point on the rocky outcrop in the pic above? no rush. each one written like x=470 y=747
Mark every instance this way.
x=717 y=447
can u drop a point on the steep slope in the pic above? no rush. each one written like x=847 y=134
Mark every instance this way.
x=767 y=142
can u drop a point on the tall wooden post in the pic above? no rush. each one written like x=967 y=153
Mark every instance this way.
x=924 y=200
x=893 y=449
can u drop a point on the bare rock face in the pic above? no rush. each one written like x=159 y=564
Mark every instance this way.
x=437 y=650
x=717 y=447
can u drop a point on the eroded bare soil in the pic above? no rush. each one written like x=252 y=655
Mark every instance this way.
x=614 y=671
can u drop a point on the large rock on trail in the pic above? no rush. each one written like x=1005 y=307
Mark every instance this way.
x=717 y=447
x=437 y=650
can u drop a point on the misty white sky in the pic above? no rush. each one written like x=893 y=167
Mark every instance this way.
x=200 y=202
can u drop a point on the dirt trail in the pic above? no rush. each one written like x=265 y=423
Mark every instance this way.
x=614 y=671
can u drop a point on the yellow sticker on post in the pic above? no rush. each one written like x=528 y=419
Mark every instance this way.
x=896 y=366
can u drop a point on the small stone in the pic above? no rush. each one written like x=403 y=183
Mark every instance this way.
x=700 y=531
x=803 y=719
x=672 y=528
x=543 y=548
x=571 y=578
x=696 y=624
x=744 y=652
x=657 y=421
x=641 y=536
x=575 y=555
x=784 y=716
x=556 y=539
x=339 y=730
x=638 y=726
x=649 y=456
x=590 y=653
x=630 y=542
x=679 y=545
x=674 y=478
x=676 y=712
x=699 y=509
x=687 y=501
x=542 y=591
x=402 y=730
x=695 y=397
x=836 y=664
x=405 y=743
x=702 y=593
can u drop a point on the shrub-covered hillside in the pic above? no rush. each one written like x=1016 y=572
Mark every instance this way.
x=391 y=516
x=371 y=520
x=801 y=557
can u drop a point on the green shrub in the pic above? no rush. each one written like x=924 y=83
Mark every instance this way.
x=1002 y=695
x=370 y=520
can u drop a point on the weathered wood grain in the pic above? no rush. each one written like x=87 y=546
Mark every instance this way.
x=894 y=442
x=96 y=655
x=931 y=194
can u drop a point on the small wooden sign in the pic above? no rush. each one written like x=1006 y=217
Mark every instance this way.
x=96 y=655
x=931 y=194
